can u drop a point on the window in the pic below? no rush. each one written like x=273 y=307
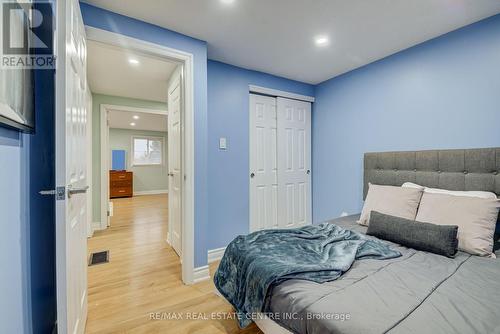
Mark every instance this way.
x=147 y=151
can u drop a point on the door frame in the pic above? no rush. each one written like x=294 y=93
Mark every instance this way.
x=90 y=193
x=106 y=157
x=187 y=146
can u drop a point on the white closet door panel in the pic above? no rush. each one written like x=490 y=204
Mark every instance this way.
x=263 y=163
x=294 y=162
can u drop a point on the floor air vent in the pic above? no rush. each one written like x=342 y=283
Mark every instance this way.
x=99 y=258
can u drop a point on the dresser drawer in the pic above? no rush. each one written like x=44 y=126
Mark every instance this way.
x=120 y=176
x=121 y=184
x=121 y=192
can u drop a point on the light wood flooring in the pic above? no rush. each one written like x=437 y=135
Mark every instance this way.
x=144 y=277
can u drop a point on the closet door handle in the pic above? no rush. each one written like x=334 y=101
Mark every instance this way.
x=308 y=172
x=252 y=175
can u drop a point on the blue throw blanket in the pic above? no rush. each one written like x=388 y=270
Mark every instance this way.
x=319 y=253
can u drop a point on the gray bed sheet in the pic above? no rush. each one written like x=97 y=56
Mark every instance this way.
x=419 y=292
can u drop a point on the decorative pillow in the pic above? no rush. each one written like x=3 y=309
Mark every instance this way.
x=395 y=201
x=480 y=194
x=475 y=217
x=438 y=239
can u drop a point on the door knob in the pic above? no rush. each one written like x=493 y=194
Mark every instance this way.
x=308 y=172
x=252 y=175
x=170 y=174
x=77 y=190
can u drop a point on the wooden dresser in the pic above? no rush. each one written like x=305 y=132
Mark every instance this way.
x=121 y=184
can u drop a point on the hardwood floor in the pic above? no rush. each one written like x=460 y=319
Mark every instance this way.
x=143 y=278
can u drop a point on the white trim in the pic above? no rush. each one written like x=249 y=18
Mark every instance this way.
x=280 y=93
x=187 y=150
x=150 y=192
x=104 y=163
x=201 y=274
x=116 y=107
x=96 y=226
x=90 y=139
x=214 y=255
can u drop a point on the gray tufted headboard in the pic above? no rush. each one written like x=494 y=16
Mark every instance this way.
x=468 y=169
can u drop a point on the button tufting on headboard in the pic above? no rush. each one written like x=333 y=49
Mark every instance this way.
x=467 y=169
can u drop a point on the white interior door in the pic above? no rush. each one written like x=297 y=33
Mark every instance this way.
x=263 y=163
x=294 y=163
x=71 y=169
x=174 y=161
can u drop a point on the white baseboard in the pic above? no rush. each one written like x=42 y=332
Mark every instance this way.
x=150 y=192
x=215 y=254
x=201 y=274
x=96 y=226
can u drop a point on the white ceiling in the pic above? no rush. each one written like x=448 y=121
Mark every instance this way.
x=110 y=73
x=119 y=119
x=277 y=36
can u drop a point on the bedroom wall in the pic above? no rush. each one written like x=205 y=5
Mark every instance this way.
x=103 y=19
x=440 y=94
x=97 y=100
x=228 y=170
x=146 y=178
x=13 y=239
x=27 y=241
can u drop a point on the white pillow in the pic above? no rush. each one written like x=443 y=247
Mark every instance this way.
x=475 y=217
x=479 y=194
x=394 y=201
x=412 y=185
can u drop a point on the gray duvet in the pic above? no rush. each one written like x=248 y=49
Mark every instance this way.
x=417 y=293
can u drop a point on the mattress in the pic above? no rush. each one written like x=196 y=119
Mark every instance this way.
x=418 y=292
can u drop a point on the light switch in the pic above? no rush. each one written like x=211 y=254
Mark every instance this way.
x=222 y=143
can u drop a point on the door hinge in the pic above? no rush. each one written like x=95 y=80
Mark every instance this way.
x=59 y=192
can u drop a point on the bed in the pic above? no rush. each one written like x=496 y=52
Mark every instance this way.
x=419 y=292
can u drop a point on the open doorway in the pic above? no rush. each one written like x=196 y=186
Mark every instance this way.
x=137 y=177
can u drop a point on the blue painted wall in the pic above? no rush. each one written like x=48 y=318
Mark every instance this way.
x=106 y=20
x=42 y=208
x=228 y=170
x=440 y=94
x=27 y=241
x=14 y=279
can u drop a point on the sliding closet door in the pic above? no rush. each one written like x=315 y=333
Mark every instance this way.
x=263 y=164
x=294 y=163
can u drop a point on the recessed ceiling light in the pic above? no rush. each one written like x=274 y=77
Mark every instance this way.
x=133 y=61
x=321 y=40
x=227 y=2
x=132 y=124
x=136 y=117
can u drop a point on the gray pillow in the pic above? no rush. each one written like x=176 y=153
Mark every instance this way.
x=438 y=239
